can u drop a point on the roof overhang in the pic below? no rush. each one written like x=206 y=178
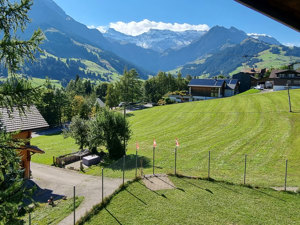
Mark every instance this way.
x=31 y=148
x=284 y=11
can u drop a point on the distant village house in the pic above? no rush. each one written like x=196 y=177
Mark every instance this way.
x=282 y=78
x=201 y=89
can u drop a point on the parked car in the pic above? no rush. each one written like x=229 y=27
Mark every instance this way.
x=259 y=87
x=269 y=84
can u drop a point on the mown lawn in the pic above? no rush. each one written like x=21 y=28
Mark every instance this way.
x=199 y=202
x=258 y=125
x=250 y=91
x=53 y=145
x=45 y=214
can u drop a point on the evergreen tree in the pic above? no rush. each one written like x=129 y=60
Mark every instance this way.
x=130 y=86
x=13 y=17
x=14 y=92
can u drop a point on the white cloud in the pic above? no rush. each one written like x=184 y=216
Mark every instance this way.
x=292 y=44
x=136 y=28
x=258 y=35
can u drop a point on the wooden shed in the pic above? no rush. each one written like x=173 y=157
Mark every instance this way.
x=23 y=124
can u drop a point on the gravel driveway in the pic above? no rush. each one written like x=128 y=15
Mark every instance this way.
x=59 y=182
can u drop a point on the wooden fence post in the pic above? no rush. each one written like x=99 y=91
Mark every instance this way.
x=285 y=178
x=208 y=165
x=102 y=186
x=74 y=205
x=153 y=159
x=245 y=169
x=136 y=162
x=175 y=159
x=123 y=168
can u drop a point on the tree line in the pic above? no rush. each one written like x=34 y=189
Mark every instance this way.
x=59 y=104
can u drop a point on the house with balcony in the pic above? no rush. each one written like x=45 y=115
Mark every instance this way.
x=281 y=78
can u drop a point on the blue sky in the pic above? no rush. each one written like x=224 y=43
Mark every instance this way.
x=209 y=12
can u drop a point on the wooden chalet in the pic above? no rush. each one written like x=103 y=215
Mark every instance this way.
x=282 y=78
x=23 y=124
x=213 y=88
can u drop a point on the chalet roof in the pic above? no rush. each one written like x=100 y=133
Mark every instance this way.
x=31 y=148
x=206 y=83
x=275 y=72
x=231 y=83
x=31 y=119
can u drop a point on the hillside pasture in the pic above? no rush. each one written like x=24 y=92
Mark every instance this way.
x=258 y=125
x=199 y=202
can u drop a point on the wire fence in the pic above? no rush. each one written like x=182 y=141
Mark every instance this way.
x=245 y=171
x=242 y=169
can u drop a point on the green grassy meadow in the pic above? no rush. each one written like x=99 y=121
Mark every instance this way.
x=199 y=202
x=258 y=125
x=45 y=214
x=250 y=91
x=53 y=145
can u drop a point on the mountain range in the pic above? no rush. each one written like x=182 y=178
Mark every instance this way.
x=157 y=40
x=71 y=48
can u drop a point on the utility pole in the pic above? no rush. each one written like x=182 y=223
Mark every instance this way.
x=124 y=129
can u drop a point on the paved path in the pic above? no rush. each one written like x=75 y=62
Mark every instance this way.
x=58 y=182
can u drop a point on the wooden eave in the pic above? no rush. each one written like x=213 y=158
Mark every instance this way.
x=31 y=148
x=284 y=11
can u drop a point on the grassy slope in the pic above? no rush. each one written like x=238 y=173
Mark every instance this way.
x=250 y=91
x=93 y=67
x=45 y=214
x=201 y=202
x=258 y=125
x=269 y=60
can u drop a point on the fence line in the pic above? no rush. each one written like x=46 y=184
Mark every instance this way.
x=210 y=175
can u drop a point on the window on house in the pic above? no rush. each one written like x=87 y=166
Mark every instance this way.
x=297 y=82
x=214 y=92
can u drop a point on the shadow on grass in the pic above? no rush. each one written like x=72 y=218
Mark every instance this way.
x=295 y=111
x=269 y=195
x=205 y=189
x=136 y=197
x=129 y=114
x=130 y=163
x=112 y=215
x=224 y=186
x=53 y=134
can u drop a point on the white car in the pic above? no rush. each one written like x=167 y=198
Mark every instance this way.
x=259 y=87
